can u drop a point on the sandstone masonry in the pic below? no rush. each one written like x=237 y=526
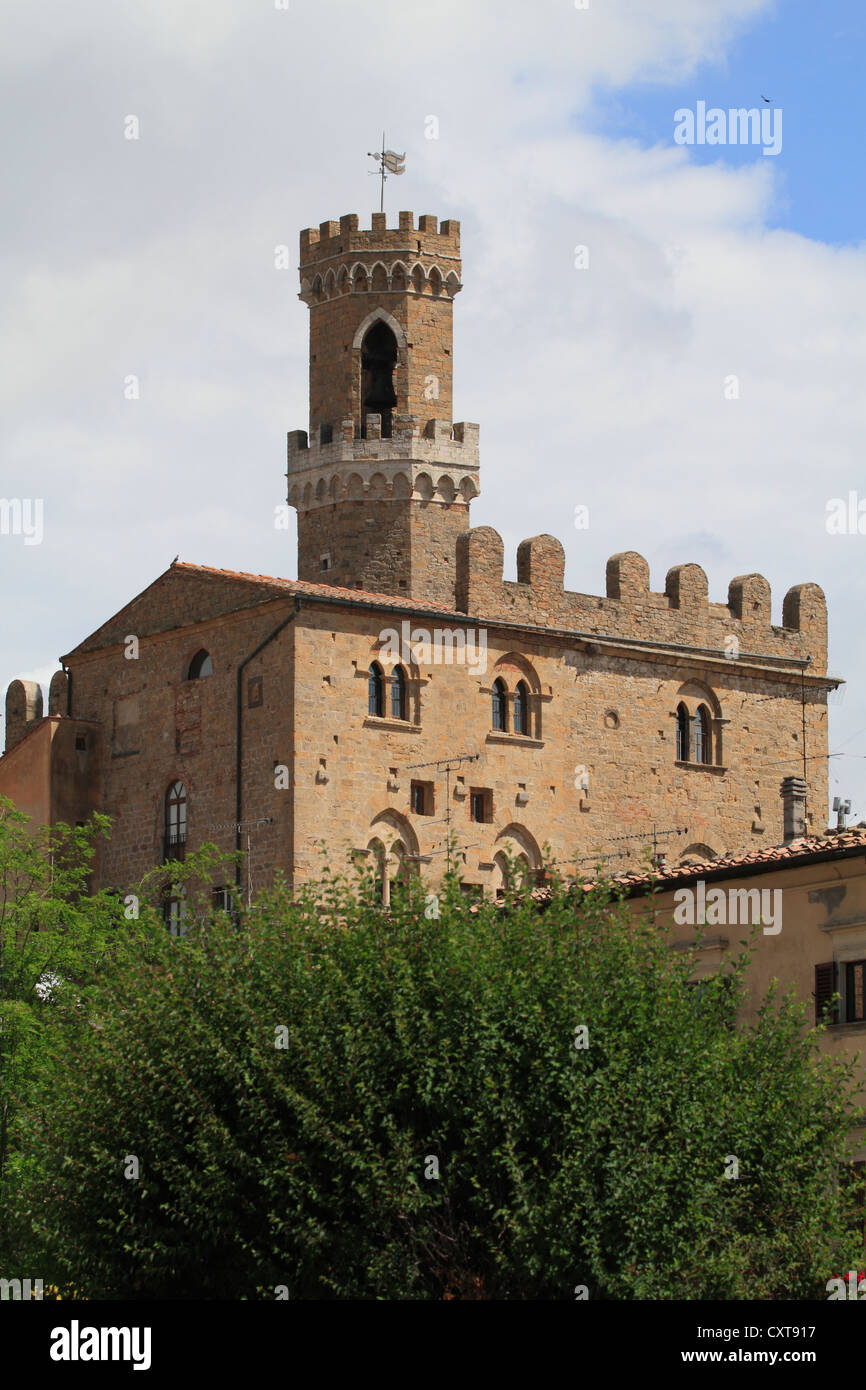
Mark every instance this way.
x=589 y=721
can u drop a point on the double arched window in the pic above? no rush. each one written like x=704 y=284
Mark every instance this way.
x=519 y=707
x=694 y=735
x=376 y=683
x=392 y=870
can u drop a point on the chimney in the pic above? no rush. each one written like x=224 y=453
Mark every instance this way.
x=794 y=808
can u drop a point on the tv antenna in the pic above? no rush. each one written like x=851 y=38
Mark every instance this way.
x=658 y=860
x=238 y=826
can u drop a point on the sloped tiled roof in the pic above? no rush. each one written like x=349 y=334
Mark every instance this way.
x=201 y=592
x=334 y=592
x=835 y=844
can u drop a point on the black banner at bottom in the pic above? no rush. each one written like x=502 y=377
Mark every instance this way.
x=63 y=1339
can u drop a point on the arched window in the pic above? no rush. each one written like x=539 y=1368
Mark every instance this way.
x=378 y=360
x=682 y=734
x=500 y=705
x=521 y=708
x=376 y=691
x=703 y=741
x=514 y=871
x=380 y=872
x=201 y=665
x=398 y=878
x=175 y=821
x=697 y=854
x=398 y=693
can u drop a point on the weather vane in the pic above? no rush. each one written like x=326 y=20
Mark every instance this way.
x=387 y=160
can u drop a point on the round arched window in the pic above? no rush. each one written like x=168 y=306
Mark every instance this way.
x=375 y=691
x=398 y=693
x=500 y=706
x=201 y=665
x=521 y=708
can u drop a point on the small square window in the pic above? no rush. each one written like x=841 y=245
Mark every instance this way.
x=480 y=804
x=81 y=743
x=326 y=434
x=421 y=798
x=325 y=562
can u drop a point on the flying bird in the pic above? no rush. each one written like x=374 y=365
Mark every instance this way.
x=763 y=98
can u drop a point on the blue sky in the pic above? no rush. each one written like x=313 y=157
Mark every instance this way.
x=809 y=58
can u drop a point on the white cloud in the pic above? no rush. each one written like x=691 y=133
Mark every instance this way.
x=602 y=386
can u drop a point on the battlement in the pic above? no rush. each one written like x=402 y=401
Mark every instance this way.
x=438 y=463
x=457 y=443
x=681 y=615
x=332 y=239
x=25 y=706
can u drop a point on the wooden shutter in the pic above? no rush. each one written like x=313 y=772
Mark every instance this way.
x=825 y=987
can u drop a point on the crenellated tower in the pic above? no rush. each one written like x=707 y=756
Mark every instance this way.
x=383 y=480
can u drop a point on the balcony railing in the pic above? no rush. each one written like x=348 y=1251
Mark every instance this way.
x=173 y=845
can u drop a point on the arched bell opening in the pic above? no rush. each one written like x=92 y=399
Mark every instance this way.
x=378 y=361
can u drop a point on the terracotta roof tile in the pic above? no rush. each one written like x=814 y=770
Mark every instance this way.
x=325 y=591
x=833 y=841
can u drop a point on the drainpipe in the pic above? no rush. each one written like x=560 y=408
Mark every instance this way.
x=239 y=730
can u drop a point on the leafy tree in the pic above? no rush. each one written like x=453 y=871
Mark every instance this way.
x=52 y=934
x=56 y=939
x=342 y=1102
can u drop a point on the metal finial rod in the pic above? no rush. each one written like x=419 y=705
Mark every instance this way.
x=389 y=162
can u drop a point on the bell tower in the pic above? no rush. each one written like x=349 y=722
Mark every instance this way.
x=383 y=481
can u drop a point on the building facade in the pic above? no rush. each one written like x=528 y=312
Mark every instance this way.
x=807 y=899
x=400 y=693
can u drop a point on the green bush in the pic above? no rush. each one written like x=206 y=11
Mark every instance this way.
x=288 y=1079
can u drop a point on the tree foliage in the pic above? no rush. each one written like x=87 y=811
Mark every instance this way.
x=53 y=934
x=290 y=1079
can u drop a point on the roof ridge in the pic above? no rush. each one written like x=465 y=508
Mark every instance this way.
x=310 y=586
